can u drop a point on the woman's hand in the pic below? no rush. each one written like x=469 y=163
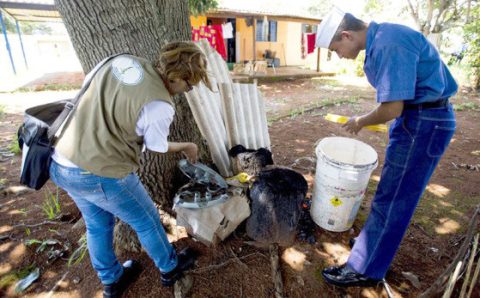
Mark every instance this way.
x=191 y=152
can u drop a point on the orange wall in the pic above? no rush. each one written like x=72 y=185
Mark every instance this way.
x=246 y=39
x=246 y=42
x=198 y=21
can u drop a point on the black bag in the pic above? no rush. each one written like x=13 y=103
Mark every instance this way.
x=36 y=136
x=36 y=141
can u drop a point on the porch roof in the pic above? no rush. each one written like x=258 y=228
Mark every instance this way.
x=33 y=10
x=275 y=9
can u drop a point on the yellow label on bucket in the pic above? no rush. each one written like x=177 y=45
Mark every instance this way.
x=336 y=201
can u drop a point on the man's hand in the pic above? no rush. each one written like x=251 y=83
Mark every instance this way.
x=191 y=152
x=353 y=125
x=384 y=112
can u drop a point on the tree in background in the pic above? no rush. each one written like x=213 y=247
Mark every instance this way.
x=319 y=7
x=99 y=29
x=198 y=7
x=437 y=16
x=472 y=39
x=26 y=27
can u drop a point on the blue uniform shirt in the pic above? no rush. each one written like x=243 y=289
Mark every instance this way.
x=401 y=64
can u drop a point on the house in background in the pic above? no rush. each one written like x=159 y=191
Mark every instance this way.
x=258 y=26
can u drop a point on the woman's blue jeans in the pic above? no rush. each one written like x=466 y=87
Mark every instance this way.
x=418 y=139
x=100 y=200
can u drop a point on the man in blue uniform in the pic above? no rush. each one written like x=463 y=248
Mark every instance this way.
x=413 y=87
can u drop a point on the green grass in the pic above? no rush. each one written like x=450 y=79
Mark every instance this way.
x=2 y=111
x=51 y=205
x=467 y=106
x=327 y=82
x=317 y=105
x=49 y=87
x=43 y=243
x=79 y=253
x=453 y=207
x=12 y=277
x=14 y=147
x=296 y=112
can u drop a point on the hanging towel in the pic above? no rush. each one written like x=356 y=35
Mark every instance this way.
x=311 y=43
x=227 y=30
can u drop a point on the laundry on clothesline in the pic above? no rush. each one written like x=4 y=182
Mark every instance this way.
x=214 y=35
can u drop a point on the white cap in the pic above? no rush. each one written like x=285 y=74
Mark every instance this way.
x=328 y=27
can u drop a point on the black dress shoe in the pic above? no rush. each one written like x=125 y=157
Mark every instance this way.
x=185 y=260
x=344 y=276
x=131 y=271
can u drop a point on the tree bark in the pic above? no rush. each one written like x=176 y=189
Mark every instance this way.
x=101 y=28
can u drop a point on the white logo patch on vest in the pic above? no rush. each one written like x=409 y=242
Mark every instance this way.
x=127 y=70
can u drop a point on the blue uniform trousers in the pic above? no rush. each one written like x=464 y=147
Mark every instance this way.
x=418 y=138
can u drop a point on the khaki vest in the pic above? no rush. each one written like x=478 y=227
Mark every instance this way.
x=100 y=137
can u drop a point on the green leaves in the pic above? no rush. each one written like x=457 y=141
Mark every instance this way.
x=79 y=253
x=51 y=205
x=472 y=38
x=198 y=7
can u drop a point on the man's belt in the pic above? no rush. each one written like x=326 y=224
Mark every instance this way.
x=441 y=103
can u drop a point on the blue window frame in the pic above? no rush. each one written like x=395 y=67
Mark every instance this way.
x=272 y=31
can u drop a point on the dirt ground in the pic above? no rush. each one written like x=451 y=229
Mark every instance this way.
x=234 y=268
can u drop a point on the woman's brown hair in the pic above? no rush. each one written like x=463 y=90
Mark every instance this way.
x=183 y=60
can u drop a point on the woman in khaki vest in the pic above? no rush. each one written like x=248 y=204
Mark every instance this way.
x=126 y=108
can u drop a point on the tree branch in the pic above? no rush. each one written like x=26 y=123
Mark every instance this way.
x=439 y=284
x=414 y=14
x=47 y=222
x=217 y=266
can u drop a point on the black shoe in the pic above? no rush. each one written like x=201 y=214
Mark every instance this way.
x=351 y=242
x=131 y=271
x=185 y=260
x=344 y=276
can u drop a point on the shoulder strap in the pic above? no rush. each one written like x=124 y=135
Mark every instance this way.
x=71 y=105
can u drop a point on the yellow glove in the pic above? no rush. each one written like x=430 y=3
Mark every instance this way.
x=343 y=119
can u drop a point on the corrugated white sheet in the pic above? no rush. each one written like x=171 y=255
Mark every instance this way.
x=230 y=115
x=244 y=116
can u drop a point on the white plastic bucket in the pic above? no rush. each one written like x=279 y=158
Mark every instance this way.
x=344 y=167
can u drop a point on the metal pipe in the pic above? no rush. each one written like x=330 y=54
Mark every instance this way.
x=21 y=43
x=7 y=44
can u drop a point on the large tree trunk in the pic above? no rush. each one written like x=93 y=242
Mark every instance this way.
x=102 y=28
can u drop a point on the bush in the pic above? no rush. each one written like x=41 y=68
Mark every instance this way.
x=472 y=37
x=359 y=64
